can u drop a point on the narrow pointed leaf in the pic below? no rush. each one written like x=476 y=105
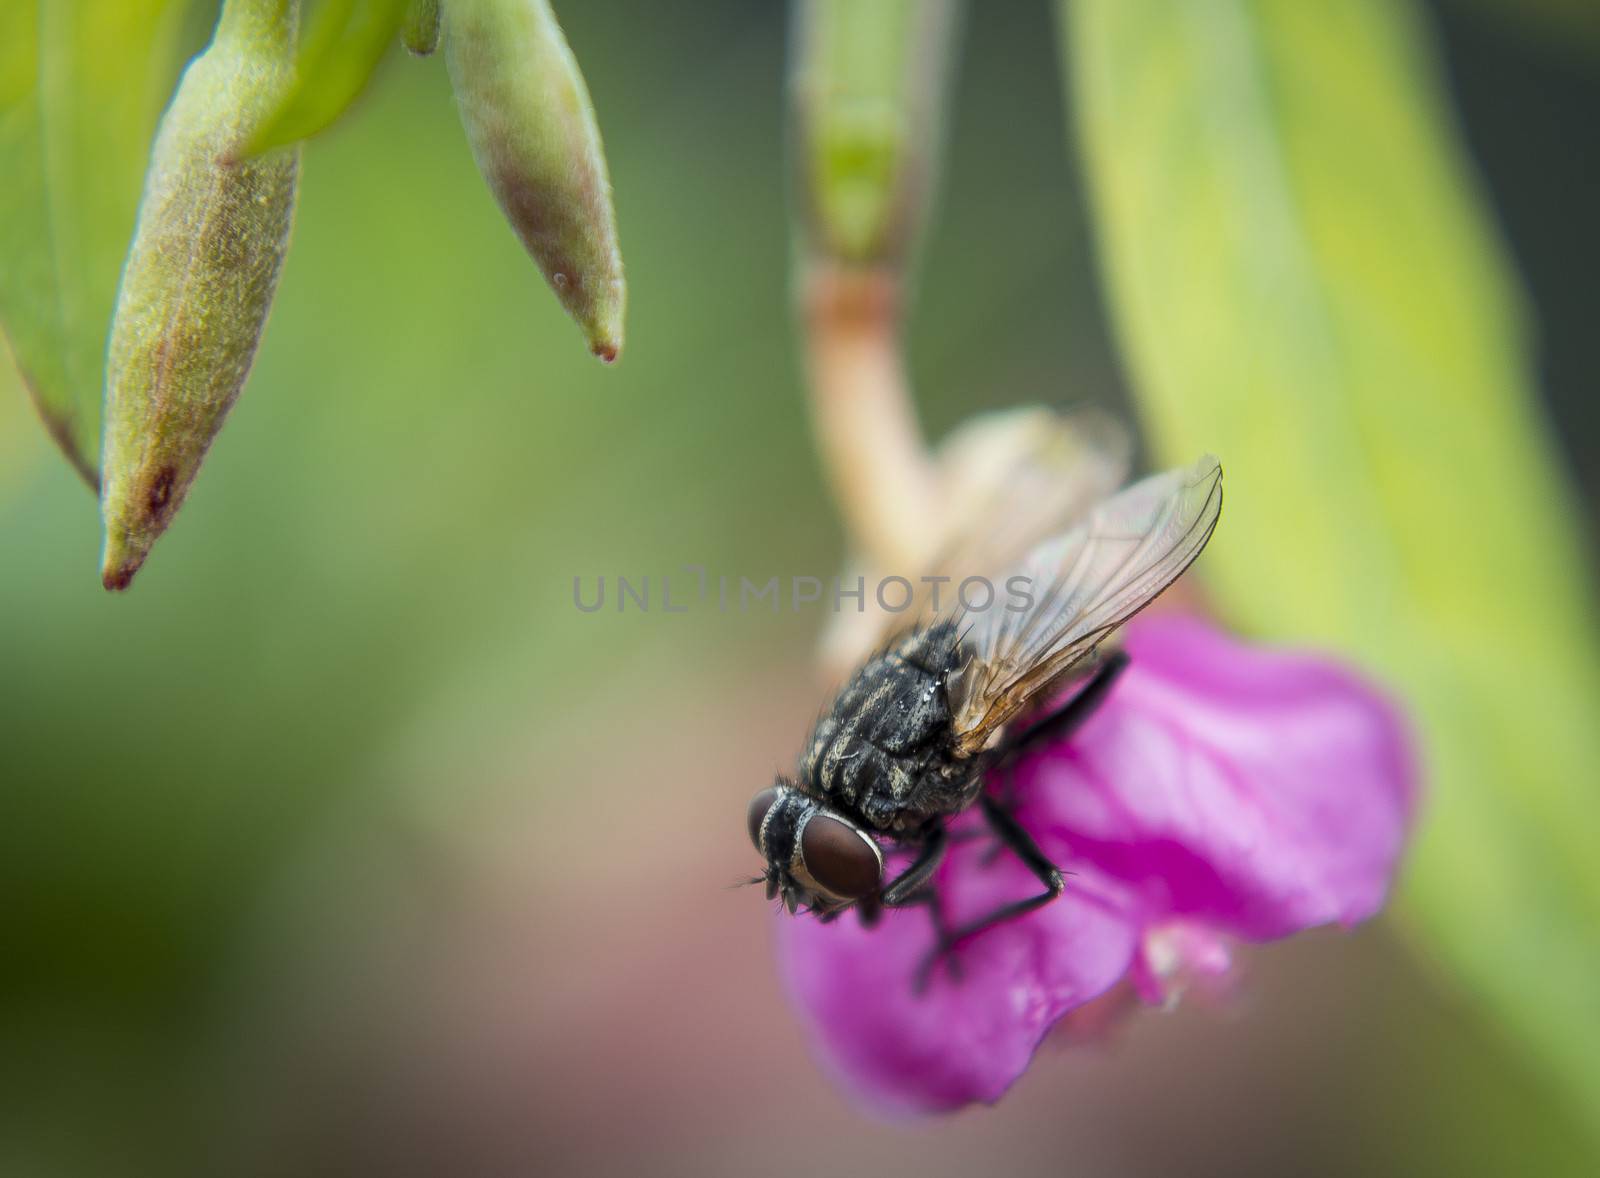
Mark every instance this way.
x=1304 y=279
x=200 y=277
x=533 y=132
x=81 y=88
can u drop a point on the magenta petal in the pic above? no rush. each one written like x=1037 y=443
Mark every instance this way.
x=1258 y=790
x=961 y=1040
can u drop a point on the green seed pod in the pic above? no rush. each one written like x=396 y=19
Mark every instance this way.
x=199 y=278
x=532 y=130
x=420 y=32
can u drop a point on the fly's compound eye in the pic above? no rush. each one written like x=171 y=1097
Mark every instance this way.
x=843 y=860
x=759 y=805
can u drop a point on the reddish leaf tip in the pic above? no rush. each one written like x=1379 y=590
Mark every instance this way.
x=119 y=577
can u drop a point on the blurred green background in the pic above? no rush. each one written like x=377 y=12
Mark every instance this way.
x=343 y=844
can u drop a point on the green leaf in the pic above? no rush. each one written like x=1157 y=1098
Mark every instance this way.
x=343 y=46
x=81 y=87
x=1305 y=281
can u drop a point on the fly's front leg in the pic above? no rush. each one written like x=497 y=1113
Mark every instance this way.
x=913 y=887
x=903 y=890
x=1021 y=844
x=899 y=893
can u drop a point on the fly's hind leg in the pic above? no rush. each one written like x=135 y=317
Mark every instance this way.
x=1060 y=725
x=1064 y=722
x=1021 y=844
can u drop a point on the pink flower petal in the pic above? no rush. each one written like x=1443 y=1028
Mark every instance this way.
x=1262 y=791
x=965 y=1038
x=1221 y=790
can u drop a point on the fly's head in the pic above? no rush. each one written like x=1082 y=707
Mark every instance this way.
x=816 y=859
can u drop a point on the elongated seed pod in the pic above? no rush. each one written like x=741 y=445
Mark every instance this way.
x=532 y=130
x=199 y=278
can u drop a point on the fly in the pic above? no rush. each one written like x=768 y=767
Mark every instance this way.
x=907 y=742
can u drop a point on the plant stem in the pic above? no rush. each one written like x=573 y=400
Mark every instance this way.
x=862 y=411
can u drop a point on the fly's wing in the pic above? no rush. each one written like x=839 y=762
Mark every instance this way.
x=1084 y=584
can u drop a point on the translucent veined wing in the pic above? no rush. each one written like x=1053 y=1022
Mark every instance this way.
x=1084 y=584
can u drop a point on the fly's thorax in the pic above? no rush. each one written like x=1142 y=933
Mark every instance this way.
x=885 y=731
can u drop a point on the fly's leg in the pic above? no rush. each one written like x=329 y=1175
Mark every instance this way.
x=1021 y=844
x=902 y=891
x=943 y=935
x=1062 y=724
x=868 y=909
x=1007 y=801
x=965 y=835
x=913 y=879
x=913 y=887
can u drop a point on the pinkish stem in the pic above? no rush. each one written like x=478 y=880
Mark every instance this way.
x=861 y=406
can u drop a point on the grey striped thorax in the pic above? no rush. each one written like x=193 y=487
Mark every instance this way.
x=882 y=750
